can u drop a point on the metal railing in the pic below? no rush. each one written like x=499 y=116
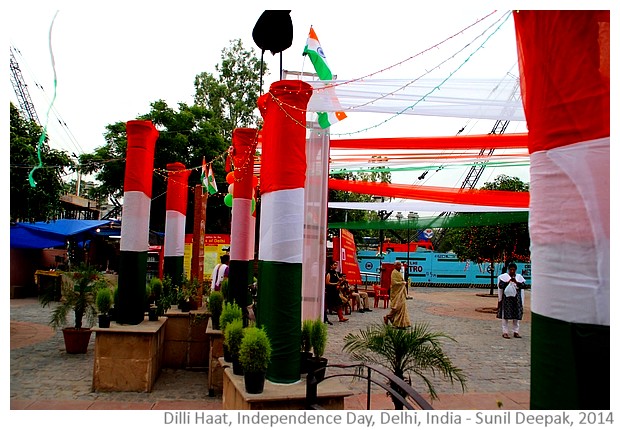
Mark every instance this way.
x=405 y=394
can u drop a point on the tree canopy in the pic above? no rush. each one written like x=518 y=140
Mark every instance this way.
x=231 y=94
x=506 y=242
x=39 y=203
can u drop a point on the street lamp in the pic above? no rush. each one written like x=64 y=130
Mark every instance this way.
x=411 y=216
x=382 y=214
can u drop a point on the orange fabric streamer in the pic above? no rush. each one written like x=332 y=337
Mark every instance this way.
x=513 y=199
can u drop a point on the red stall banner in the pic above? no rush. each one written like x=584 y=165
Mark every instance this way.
x=345 y=252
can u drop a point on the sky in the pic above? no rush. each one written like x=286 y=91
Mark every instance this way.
x=114 y=59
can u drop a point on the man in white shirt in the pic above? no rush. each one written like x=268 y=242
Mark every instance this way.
x=219 y=273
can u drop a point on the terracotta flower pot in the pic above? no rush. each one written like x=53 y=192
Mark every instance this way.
x=76 y=340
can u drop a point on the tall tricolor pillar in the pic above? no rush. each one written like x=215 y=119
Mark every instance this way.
x=283 y=167
x=564 y=64
x=141 y=138
x=244 y=143
x=176 y=208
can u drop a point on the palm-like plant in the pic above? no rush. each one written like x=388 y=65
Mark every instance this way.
x=415 y=351
x=78 y=295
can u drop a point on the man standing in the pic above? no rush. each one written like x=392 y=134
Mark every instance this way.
x=220 y=272
x=510 y=300
x=398 y=314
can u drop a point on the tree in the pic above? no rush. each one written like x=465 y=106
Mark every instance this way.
x=495 y=243
x=415 y=351
x=188 y=134
x=39 y=203
x=344 y=215
x=231 y=94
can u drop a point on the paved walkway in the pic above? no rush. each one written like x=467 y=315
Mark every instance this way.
x=43 y=376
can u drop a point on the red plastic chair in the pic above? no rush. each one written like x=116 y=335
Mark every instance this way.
x=381 y=294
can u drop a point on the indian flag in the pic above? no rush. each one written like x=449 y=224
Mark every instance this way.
x=208 y=179
x=314 y=50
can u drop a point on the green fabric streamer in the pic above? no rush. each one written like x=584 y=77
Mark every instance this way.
x=31 y=180
x=342 y=171
x=469 y=219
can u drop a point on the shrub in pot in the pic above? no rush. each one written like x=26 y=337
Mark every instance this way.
x=230 y=312
x=216 y=302
x=306 y=345
x=233 y=334
x=318 y=340
x=103 y=302
x=255 y=356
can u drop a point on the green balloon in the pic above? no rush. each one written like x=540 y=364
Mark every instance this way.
x=228 y=200
x=253 y=205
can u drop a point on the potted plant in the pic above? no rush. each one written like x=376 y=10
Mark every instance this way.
x=103 y=301
x=254 y=355
x=306 y=345
x=230 y=312
x=185 y=292
x=79 y=290
x=216 y=302
x=233 y=334
x=318 y=340
x=167 y=296
x=416 y=351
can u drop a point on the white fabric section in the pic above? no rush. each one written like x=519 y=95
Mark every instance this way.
x=496 y=99
x=315 y=226
x=421 y=206
x=174 y=239
x=569 y=231
x=135 y=221
x=240 y=229
x=281 y=226
x=252 y=238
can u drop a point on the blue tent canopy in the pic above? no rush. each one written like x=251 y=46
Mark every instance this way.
x=41 y=235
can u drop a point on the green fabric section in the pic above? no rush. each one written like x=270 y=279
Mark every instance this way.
x=173 y=267
x=570 y=366
x=279 y=312
x=456 y=220
x=131 y=287
x=433 y=167
x=238 y=282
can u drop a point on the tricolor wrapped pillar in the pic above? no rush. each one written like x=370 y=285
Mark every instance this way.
x=141 y=138
x=242 y=229
x=564 y=63
x=176 y=209
x=283 y=167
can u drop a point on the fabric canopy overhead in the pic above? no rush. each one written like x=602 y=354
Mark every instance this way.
x=42 y=234
x=458 y=98
x=516 y=140
x=22 y=237
x=421 y=206
x=435 y=194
